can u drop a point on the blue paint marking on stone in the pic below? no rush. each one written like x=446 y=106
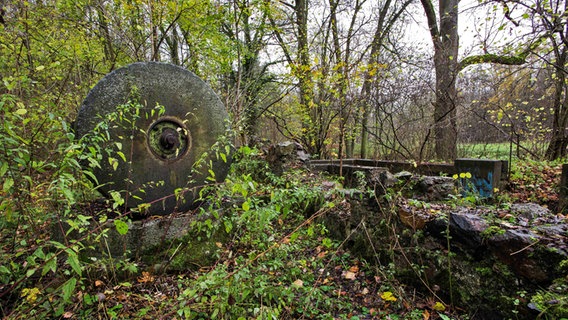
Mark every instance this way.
x=485 y=175
x=479 y=184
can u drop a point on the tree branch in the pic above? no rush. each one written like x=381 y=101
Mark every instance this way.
x=492 y=58
x=432 y=20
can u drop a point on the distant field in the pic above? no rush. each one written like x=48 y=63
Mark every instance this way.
x=499 y=150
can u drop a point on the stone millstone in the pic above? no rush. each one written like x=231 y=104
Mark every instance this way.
x=163 y=148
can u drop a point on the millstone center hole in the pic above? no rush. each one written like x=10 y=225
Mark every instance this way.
x=168 y=138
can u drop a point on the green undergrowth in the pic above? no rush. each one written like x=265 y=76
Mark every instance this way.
x=266 y=252
x=274 y=260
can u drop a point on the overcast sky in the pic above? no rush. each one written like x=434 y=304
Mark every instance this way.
x=477 y=25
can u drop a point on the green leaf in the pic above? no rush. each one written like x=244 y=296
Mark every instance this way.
x=3 y=169
x=21 y=111
x=30 y=272
x=113 y=162
x=311 y=231
x=91 y=176
x=121 y=155
x=294 y=236
x=73 y=261
x=5 y=270
x=58 y=245
x=50 y=264
x=246 y=206
x=68 y=288
x=8 y=183
x=228 y=226
x=39 y=253
x=117 y=199
x=68 y=195
x=121 y=226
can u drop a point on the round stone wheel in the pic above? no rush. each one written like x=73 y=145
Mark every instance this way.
x=160 y=147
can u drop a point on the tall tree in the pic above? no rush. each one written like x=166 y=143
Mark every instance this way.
x=327 y=65
x=445 y=39
x=248 y=30
x=550 y=21
x=444 y=35
x=299 y=63
x=547 y=39
x=389 y=14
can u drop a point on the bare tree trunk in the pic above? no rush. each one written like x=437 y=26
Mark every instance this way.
x=154 y=29
x=311 y=123
x=384 y=24
x=173 y=45
x=344 y=61
x=366 y=89
x=559 y=140
x=109 y=51
x=445 y=40
x=559 y=40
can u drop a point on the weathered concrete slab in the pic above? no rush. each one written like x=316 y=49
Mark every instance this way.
x=348 y=171
x=485 y=176
x=398 y=166
x=392 y=166
x=428 y=169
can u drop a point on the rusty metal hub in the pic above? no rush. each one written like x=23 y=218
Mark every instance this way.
x=168 y=139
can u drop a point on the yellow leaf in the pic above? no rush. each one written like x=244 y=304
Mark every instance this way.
x=439 y=306
x=388 y=296
x=30 y=294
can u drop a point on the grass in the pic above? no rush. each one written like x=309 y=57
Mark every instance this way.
x=501 y=150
